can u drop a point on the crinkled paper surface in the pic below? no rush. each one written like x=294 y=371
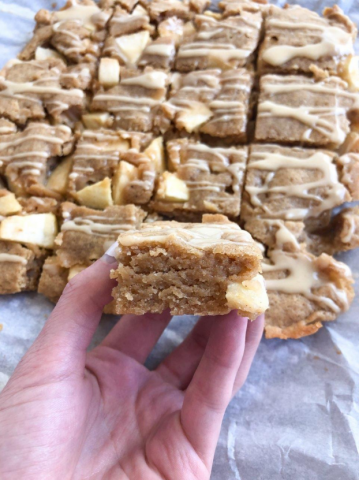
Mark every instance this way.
x=297 y=417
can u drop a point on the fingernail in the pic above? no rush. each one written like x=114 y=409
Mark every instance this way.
x=109 y=256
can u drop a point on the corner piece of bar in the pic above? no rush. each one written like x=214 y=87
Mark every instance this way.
x=207 y=268
x=304 y=290
x=296 y=39
x=299 y=110
x=76 y=32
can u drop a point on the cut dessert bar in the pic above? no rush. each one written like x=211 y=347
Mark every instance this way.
x=204 y=268
x=212 y=102
x=303 y=290
x=134 y=102
x=130 y=41
x=233 y=7
x=300 y=110
x=76 y=32
x=296 y=39
x=161 y=9
x=30 y=90
x=293 y=183
x=20 y=267
x=24 y=244
x=220 y=42
x=54 y=277
x=114 y=167
x=86 y=234
x=341 y=234
x=204 y=180
x=28 y=156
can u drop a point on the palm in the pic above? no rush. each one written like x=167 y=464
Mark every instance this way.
x=68 y=414
x=143 y=438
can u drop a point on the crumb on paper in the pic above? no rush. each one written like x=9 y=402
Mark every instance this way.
x=54 y=5
x=338 y=352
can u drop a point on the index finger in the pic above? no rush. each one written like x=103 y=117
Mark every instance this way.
x=74 y=320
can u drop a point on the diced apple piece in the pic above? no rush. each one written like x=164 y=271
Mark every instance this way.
x=76 y=269
x=172 y=188
x=350 y=72
x=351 y=143
x=45 y=53
x=94 y=121
x=9 y=205
x=37 y=229
x=60 y=176
x=132 y=46
x=156 y=154
x=249 y=296
x=109 y=72
x=192 y=118
x=125 y=173
x=97 y=195
x=172 y=27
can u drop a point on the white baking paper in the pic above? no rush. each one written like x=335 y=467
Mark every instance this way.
x=297 y=417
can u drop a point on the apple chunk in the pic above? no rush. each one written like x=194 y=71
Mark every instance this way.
x=172 y=189
x=125 y=174
x=8 y=204
x=37 y=229
x=59 y=177
x=132 y=46
x=109 y=72
x=97 y=195
x=155 y=153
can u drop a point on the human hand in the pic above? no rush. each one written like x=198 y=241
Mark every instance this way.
x=69 y=414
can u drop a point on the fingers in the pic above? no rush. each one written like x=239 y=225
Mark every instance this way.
x=178 y=368
x=211 y=388
x=75 y=318
x=253 y=338
x=136 y=335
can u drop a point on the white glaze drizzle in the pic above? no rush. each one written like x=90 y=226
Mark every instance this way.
x=335 y=194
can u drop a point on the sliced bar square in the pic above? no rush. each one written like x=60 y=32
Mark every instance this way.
x=207 y=268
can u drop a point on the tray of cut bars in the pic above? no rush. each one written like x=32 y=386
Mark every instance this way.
x=216 y=144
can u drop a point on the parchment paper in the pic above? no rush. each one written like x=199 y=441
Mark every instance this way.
x=297 y=417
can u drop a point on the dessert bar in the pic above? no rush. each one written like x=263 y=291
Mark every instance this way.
x=303 y=290
x=114 y=167
x=202 y=179
x=218 y=42
x=297 y=40
x=296 y=109
x=207 y=268
x=86 y=234
x=134 y=102
x=293 y=183
x=212 y=102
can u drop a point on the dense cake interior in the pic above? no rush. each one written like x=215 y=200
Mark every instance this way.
x=200 y=269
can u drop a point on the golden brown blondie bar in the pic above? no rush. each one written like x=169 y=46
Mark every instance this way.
x=207 y=268
x=203 y=179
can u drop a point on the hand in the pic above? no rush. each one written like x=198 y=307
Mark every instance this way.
x=68 y=414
